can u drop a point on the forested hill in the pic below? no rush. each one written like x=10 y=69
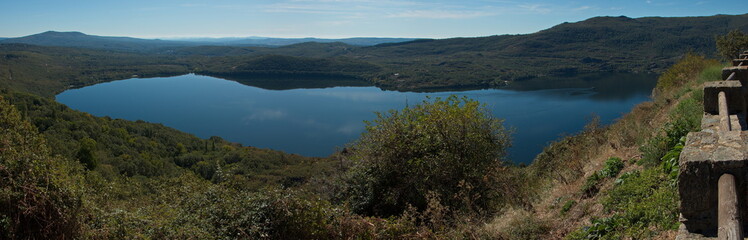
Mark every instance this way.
x=81 y=40
x=597 y=44
x=618 y=44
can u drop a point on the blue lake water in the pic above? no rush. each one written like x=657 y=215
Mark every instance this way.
x=317 y=121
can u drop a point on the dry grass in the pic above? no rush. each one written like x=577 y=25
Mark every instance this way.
x=584 y=154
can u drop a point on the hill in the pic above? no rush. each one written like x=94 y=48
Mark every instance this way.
x=81 y=40
x=600 y=44
x=597 y=44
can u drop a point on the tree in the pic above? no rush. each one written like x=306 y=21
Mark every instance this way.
x=732 y=44
x=40 y=195
x=448 y=148
x=86 y=153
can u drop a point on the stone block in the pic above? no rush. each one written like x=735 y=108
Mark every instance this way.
x=734 y=92
x=703 y=160
x=741 y=73
x=736 y=62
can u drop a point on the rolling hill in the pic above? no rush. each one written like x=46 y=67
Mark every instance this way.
x=600 y=44
x=81 y=40
x=274 y=42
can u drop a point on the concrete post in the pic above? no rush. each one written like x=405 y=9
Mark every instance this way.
x=728 y=214
x=724 y=115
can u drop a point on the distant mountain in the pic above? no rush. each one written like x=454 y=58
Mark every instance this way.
x=290 y=41
x=273 y=42
x=78 y=39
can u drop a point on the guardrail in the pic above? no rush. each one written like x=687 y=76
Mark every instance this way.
x=714 y=162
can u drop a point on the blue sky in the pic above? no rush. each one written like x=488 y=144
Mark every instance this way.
x=327 y=18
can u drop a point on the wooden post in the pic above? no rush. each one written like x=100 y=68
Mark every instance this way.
x=728 y=214
x=724 y=115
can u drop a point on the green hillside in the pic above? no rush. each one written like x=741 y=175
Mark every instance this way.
x=617 y=44
x=597 y=44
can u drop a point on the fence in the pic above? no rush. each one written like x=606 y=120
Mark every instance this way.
x=714 y=162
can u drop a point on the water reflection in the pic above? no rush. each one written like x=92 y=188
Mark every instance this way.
x=315 y=122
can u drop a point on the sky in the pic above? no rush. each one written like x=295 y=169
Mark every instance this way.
x=328 y=18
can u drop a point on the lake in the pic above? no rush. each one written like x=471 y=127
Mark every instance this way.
x=317 y=121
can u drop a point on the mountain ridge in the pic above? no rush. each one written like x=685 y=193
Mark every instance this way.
x=79 y=39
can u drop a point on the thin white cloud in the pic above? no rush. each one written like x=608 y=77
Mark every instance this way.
x=582 y=8
x=439 y=14
x=536 y=8
x=191 y=5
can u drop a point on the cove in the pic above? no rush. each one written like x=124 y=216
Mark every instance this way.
x=318 y=121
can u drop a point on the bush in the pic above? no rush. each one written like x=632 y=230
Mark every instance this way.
x=682 y=71
x=451 y=146
x=590 y=185
x=612 y=167
x=567 y=206
x=39 y=194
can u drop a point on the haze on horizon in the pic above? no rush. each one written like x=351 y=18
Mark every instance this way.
x=327 y=18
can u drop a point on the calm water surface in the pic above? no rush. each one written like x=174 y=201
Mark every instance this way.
x=315 y=122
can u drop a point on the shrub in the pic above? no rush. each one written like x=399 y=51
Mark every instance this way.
x=612 y=167
x=567 y=206
x=682 y=71
x=39 y=194
x=451 y=146
x=590 y=185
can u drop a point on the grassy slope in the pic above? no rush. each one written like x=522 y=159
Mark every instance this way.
x=639 y=202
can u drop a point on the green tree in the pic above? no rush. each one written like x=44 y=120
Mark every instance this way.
x=732 y=44
x=449 y=148
x=39 y=194
x=86 y=153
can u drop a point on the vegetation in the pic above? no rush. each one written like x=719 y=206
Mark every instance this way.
x=116 y=147
x=644 y=203
x=448 y=149
x=730 y=46
x=433 y=170
x=40 y=195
